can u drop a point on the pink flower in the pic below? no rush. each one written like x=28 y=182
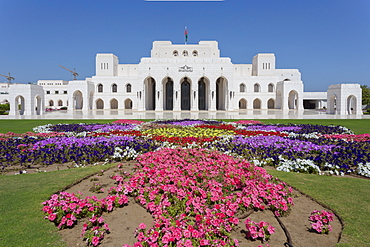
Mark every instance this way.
x=95 y=241
x=52 y=217
x=142 y=226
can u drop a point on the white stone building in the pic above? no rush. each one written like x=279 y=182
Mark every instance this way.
x=191 y=77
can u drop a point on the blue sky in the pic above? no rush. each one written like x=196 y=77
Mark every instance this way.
x=327 y=40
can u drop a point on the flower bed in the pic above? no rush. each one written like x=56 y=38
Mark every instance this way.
x=193 y=195
x=193 y=176
x=298 y=148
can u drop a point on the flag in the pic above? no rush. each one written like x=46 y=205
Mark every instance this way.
x=186 y=34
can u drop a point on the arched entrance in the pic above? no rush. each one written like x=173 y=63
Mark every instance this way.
x=113 y=104
x=168 y=93
x=203 y=85
x=38 y=105
x=77 y=100
x=351 y=105
x=19 y=105
x=185 y=94
x=242 y=104
x=293 y=100
x=271 y=104
x=221 y=93
x=257 y=104
x=99 y=104
x=128 y=104
x=149 y=93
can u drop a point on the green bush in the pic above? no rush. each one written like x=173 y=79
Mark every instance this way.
x=4 y=108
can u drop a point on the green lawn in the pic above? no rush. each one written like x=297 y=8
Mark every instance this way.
x=21 y=216
x=21 y=196
x=348 y=197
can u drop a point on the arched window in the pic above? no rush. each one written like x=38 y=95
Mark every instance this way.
x=128 y=88
x=256 y=88
x=114 y=88
x=185 y=53
x=51 y=103
x=195 y=53
x=175 y=53
x=271 y=88
x=60 y=103
x=100 y=88
x=242 y=88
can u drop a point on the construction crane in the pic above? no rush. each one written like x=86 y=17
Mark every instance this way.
x=10 y=78
x=74 y=73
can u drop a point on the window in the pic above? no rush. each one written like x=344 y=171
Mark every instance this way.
x=256 y=88
x=65 y=92
x=195 y=53
x=100 y=88
x=47 y=92
x=175 y=53
x=128 y=88
x=60 y=103
x=114 y=88
x=51 y=103
x=242 y=88
x=271 y=88
x=56 y=92
x=185 y=53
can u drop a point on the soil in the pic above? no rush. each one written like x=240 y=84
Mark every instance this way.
x=123 y=221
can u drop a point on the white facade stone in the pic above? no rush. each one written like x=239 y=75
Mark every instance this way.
x=179 y=77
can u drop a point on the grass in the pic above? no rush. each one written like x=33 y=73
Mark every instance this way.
x=22 y=222
x=347 y=196
x=21 y=196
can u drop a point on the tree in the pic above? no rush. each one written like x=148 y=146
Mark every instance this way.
x=365 y=95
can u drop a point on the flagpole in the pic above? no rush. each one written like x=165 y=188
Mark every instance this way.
x=186 y=35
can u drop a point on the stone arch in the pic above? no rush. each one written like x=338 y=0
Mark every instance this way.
x=99 y=88
x=352 y=105
x=38 y=105
x=221 y=93
x=51 y=103
x=113 y=104
x=99 y=104
x=203 y=93
x=128 y=104
x=167 y=84
x=332 y=104
x=185 y=99
x=60 y=102
x=243 y=104
x=149 y=84
x=257 y=104
x=271 y=104
x=77 y=100
x=293 y=99
x=19 y=105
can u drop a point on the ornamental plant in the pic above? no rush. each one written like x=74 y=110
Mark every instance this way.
x=194 y=194
x=320 y=221
x=93 y=232
x=261 y=230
